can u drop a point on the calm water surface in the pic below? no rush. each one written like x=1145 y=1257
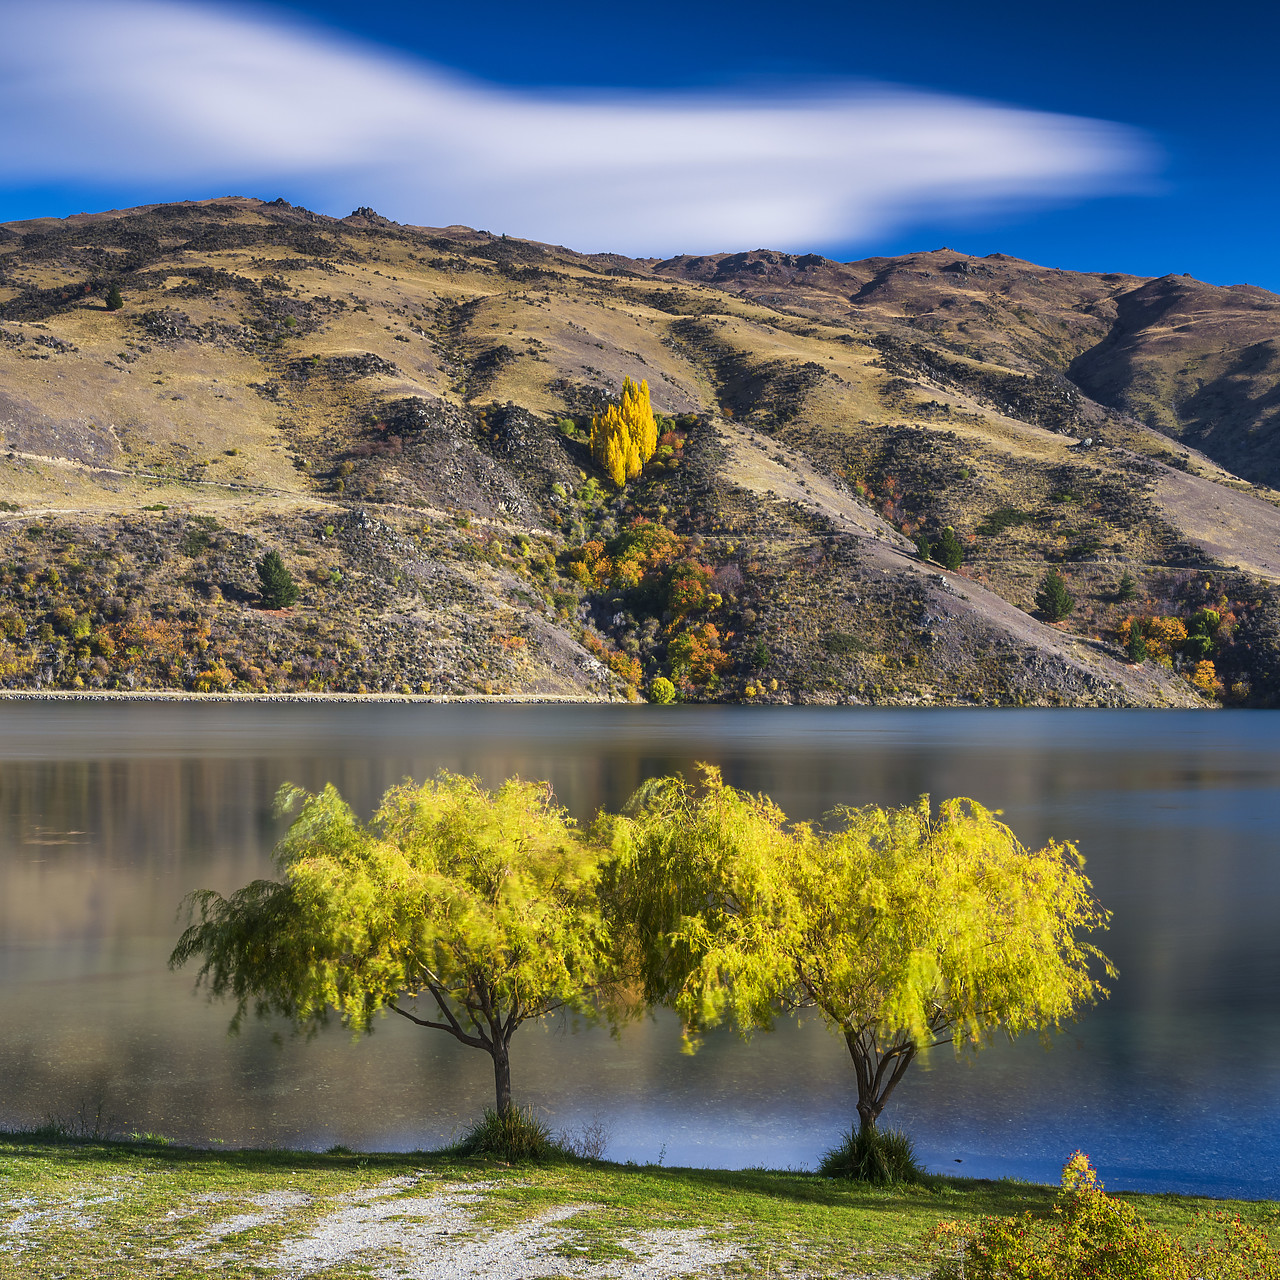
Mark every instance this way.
x=110 y=814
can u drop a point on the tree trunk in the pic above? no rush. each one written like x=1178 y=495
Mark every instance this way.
x=502 y=1076
x=878 y=1072
x=868 y=1114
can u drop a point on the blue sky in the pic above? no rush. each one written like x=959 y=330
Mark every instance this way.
x=1136 y=137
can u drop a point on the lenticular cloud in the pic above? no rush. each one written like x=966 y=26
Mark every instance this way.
x=136 y=91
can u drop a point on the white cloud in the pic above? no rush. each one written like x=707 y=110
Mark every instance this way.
x=135 y=91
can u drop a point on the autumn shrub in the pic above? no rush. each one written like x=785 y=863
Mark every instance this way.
x=640 y=549
x=882 y=1156
x=688 y=587
x=621 y=664
x=13 y=664
x=216 y=679
x=580 y=563
x=662 y=691
x=1092 y=1236
x=696 y=656
x=1165 y=637
x=1205 y=678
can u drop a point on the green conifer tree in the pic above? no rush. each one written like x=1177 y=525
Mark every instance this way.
x=115 y=299
x=948 y=550
x=1137 y=646
x=1053 y=599
x=279 y=590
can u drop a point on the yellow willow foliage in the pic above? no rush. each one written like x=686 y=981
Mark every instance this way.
x=904 y=928
x=624 y=437
x=477 y=909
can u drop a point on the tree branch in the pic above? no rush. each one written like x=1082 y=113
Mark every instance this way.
x=455 y=1027
x=455 y=1031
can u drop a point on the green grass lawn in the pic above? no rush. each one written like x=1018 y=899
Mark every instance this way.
x=79 y=1209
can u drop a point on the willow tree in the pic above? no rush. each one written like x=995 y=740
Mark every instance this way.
x=905 y=929
x=476 y=909
x=625 y=436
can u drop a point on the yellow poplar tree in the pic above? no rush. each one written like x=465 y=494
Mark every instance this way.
x=638 y=413
x=625 y=436
x=612 y=450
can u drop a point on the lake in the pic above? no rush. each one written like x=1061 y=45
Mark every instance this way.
x=111 y=812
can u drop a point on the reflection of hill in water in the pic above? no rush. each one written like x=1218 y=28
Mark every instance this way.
x=1172 y=812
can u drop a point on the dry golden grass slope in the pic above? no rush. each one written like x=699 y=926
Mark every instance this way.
x=402 y=413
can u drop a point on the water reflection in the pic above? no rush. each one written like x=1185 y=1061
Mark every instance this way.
x=110 y=814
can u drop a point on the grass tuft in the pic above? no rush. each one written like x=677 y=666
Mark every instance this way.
x=515 y=1137
x=882 y=1156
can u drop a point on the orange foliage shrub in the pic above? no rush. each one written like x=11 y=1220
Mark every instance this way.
x=696 y=656
x=1165 y=636
x=1205 y=678
x=621 y=664
x=689 y=587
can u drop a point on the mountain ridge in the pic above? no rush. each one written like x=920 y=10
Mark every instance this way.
x=424 y=394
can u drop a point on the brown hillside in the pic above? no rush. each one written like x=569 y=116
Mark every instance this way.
x=1198 y=362
x=402 y=412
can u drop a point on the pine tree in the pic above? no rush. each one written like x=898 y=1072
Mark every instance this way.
x=115 y=299
x=949 y=551
x=1053 y=599
x=279 y=590
x=924 y=547
x=1127 y=587
x=1137 y=646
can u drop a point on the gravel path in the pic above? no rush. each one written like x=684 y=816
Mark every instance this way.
x=435 y=1236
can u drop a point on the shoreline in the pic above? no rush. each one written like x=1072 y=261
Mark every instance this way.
x=536 y=699
x=181 y=695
